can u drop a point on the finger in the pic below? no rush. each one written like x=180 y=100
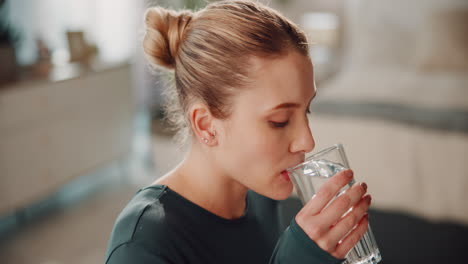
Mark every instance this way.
x=343 y=203
x=328 y=190
x=348 y=222
x=352 y=238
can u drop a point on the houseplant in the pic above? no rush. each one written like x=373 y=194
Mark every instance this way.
x=9 y=38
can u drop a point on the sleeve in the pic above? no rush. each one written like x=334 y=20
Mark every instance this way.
x=133 y=253
x=295 y=246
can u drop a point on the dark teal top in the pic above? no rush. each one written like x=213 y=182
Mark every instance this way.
x=160 y=226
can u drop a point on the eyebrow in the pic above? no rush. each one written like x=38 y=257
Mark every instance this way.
x=291 y=105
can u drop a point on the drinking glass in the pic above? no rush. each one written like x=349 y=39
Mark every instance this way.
x=310 y=175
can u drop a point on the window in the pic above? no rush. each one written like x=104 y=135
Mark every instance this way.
x=110 y=24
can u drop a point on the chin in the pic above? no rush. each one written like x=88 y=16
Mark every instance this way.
x=281 y=193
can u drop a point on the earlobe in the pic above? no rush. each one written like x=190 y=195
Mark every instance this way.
x=201 y=120
x=210 y=141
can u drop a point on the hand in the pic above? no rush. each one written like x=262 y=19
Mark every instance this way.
x=328 y=226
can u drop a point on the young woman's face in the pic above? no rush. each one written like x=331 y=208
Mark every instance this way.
x=268 y=130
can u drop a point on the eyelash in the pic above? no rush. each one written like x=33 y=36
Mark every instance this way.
x=283 y=124
x=279 y=125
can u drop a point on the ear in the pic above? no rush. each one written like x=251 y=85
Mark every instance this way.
x=202 y=122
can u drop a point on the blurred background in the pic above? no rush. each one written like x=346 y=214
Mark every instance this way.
x=82 y=126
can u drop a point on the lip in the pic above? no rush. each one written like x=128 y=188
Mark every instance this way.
x=285 y=175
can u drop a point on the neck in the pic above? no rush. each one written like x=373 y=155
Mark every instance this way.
x=199 y=180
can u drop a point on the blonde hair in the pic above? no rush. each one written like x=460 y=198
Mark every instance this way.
x=209 y=51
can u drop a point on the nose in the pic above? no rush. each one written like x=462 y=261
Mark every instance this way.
x=303 y=141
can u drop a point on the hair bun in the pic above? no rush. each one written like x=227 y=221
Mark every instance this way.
x=164 y=32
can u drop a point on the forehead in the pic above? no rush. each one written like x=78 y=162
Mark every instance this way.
x=288 y=78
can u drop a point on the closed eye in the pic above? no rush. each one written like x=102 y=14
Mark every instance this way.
x=279 y=124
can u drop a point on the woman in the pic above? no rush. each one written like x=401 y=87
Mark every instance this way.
x=244 y=83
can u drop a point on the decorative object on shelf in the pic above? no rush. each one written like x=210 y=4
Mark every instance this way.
x=9 y=38
x=80 y=50
x=43 y=64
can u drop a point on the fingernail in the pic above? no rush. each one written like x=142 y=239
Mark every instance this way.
x=349 y=173
x=369 y=199
x=364 y=186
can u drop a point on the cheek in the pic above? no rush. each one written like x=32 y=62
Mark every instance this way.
x=255 y=156
x=262 y=150
x=267 y=146
x=270 y=142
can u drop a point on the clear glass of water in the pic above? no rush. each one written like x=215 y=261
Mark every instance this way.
x=310 y=175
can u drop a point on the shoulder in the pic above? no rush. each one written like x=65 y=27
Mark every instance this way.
x=141 y=226
x=132 y=252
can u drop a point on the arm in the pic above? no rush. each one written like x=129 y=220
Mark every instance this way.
x=294 y=246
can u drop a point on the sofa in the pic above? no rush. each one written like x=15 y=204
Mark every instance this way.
x=399 y=104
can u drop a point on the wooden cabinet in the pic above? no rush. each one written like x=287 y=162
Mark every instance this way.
x=51 y=132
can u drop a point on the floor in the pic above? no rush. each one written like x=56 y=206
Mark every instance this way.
x=78 y=234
